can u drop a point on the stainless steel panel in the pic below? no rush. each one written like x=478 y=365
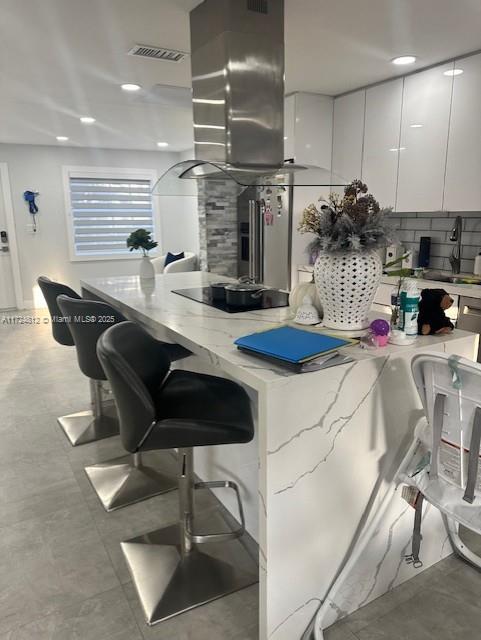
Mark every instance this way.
x=277 y=239
x=469 y=318
x=238 y=82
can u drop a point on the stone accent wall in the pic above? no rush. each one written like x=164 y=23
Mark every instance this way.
x=438 y=225
x=218 y=227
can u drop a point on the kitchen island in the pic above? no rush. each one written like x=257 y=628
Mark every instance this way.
x=325 y=448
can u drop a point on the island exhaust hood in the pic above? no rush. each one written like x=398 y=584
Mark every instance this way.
x=237 y=57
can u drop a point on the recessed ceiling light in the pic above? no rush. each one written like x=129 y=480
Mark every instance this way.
x=130 y=87
x=87 y=120
x=416 y=126
x=162 y=144
x=404 y=60
x=453 y=72
x=62 y=138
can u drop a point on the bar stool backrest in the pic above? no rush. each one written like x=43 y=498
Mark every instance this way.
x=450 y=391
x=136 y=365
x=87 y=320
x=51 y=290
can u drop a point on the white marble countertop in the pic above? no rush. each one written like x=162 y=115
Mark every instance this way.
x=209 y=332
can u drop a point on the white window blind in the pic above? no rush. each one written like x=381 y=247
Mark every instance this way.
x=104 y=211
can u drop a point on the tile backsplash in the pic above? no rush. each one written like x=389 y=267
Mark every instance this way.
x=437 y=225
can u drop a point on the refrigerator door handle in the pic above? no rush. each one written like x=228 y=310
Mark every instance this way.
x=260 y=248
x=252 y=224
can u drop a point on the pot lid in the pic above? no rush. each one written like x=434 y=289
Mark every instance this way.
x=244 y=286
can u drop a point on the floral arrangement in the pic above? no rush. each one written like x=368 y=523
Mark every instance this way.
x=353 y=222
x=141 y=239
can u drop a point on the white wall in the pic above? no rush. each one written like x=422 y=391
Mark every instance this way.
x=39 y=168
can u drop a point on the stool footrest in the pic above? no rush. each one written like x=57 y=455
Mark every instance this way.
x=221 y=536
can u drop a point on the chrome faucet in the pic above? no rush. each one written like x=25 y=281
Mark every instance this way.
x=455 y=257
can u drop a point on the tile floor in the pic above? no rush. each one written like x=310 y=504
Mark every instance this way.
x=62 y=575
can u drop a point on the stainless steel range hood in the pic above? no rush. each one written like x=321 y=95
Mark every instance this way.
x=237 y=53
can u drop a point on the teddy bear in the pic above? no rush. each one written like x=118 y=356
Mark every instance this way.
x=431 y=319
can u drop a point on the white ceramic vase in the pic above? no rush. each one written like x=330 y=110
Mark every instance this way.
x=347 y=283
x=147 y=271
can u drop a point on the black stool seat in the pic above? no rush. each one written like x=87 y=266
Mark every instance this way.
x=159 y=409
x=127 y=479
x=87 y=320
x=195 y=410
x=82 y=426
x=51 y=290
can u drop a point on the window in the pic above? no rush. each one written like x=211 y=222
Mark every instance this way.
x=103 y=207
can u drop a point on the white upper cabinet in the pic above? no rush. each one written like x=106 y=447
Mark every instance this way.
x=424 y=139
x=463 y=172
x=381 y=140
x=313 y=129
x=348 y=135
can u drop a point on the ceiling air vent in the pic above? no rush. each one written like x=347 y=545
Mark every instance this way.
x=259 y=6
x=158 y=53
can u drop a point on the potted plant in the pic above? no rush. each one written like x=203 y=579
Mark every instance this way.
x=349 y=230
x=142 y=239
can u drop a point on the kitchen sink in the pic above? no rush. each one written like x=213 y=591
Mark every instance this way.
x=461 y=278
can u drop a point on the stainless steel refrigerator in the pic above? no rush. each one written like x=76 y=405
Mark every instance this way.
x=265 y=235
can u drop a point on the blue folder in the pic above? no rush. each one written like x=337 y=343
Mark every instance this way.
x=291 y=344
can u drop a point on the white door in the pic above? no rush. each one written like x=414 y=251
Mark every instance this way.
x=7 y=288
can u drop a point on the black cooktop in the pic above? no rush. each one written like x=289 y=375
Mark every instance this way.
x=268 y=300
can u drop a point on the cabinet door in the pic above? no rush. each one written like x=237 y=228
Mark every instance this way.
x=348 y=134
x=424 y=139
x=463 y=172
x=314 y=129
x=381 y=140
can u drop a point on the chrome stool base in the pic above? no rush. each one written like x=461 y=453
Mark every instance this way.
x=90 y=426
x=126 y=480
x=82 y=427
x=169 y=584
x=179 y=567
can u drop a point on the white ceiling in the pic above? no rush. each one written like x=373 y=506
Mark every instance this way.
x=60 y=59
x=333 y=46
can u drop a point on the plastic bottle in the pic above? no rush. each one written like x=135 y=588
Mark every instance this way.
x=402 y=301
x=477 y=265
x=410 y=308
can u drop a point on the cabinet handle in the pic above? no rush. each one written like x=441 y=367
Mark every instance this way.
x=251 y=239
x=255 y=252
x=471 y=311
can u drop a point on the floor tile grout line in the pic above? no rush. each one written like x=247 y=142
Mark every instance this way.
x=105 y=548
x=78 y=604
x=132 y=611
